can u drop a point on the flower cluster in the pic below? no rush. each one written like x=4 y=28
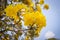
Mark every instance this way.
x=27 y=12
x=34 y=18
x=12 y=10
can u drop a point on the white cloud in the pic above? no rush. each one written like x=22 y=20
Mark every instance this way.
x=49 y=34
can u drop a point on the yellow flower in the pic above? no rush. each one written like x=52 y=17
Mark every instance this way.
x=17 y=7
x=28 y=18
x=38 y=8
x=25 y=7
x=46 y=6
x=41 y=2
x=11 y=12
x=34 y=18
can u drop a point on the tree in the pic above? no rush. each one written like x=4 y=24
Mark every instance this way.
x=52 y=39
x=24 y=11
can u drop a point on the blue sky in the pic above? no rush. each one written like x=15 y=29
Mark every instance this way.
x=53 y=19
